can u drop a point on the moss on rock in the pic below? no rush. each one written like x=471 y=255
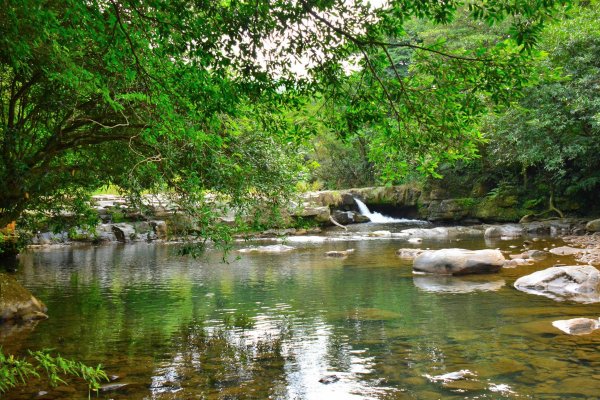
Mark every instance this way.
x=17 y=303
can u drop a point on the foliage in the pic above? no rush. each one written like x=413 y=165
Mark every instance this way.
x=193 y=100
x=16 y=371
x=417 y=100
x=552 y=134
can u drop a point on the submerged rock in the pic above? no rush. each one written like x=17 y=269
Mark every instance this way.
x=459 y=262
x=339 y=254
x=451 y=376
x=112 y=387
x=275 y=248
x=17 y=303
x=409 y=254
x=577 y=326
x=535 y=255
x=516 y=262
x=380 y=234
x=567 y=251
x=577 y=283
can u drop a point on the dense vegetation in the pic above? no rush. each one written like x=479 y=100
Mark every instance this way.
x=216 y=97
x=540 y=142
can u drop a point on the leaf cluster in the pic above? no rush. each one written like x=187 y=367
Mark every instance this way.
x=16 y=371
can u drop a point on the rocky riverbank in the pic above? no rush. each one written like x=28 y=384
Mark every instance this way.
x=161 y=220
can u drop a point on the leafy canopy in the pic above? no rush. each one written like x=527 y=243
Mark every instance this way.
x=190 y=97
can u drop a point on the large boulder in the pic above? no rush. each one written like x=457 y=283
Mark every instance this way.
x=17 y=303
x=579 y=283
x=593 y=226
x=459 y=262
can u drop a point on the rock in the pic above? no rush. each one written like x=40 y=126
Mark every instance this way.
x=567 y=251
x=505 y=232
x=577 y=326
x=17 y=303
x=46 y=238
x=275 y=248
x=459 y=261
x=577 y=283
x=343 y=217
x=448 y=210
x=339 y=254
x=111 y=387
x=380 y=234
x=536 y=255
x=409 y=254
x=451 y=376
x=160 y=229
x=452 y=284
x=434 y=233
x=320 y=214
x=326 y=380
x=415 y=240
x=515 y=262
x=124 y=232
x=593 y=226
x=105 y=233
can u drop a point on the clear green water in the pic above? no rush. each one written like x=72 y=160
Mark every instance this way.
x=272 y=326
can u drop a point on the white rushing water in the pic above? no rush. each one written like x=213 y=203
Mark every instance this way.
x=380 y=218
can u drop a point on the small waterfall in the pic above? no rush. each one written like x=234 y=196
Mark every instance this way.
x=380 y=218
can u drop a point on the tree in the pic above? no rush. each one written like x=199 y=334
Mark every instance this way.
x=187 y=96
x=551 y=136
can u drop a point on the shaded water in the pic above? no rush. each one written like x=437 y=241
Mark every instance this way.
x=273 y=326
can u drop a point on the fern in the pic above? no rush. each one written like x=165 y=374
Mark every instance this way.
x=17 y=371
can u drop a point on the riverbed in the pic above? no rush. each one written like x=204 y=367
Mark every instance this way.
x=299 y=325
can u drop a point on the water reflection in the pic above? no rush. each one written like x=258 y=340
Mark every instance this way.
x=453 y=284
x=274 y=326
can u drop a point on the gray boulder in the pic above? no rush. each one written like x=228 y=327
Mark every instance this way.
x=47 y=238
x=17 y=303
x=504 y=232
x=343 y=217
x=459 y=262
x=577 y=283
x=105 y=233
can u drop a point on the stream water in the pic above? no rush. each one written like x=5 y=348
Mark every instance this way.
x=299 y=325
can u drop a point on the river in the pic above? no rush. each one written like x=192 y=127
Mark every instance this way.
x=299 y=325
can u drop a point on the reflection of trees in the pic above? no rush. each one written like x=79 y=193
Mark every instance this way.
x=222 y=363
